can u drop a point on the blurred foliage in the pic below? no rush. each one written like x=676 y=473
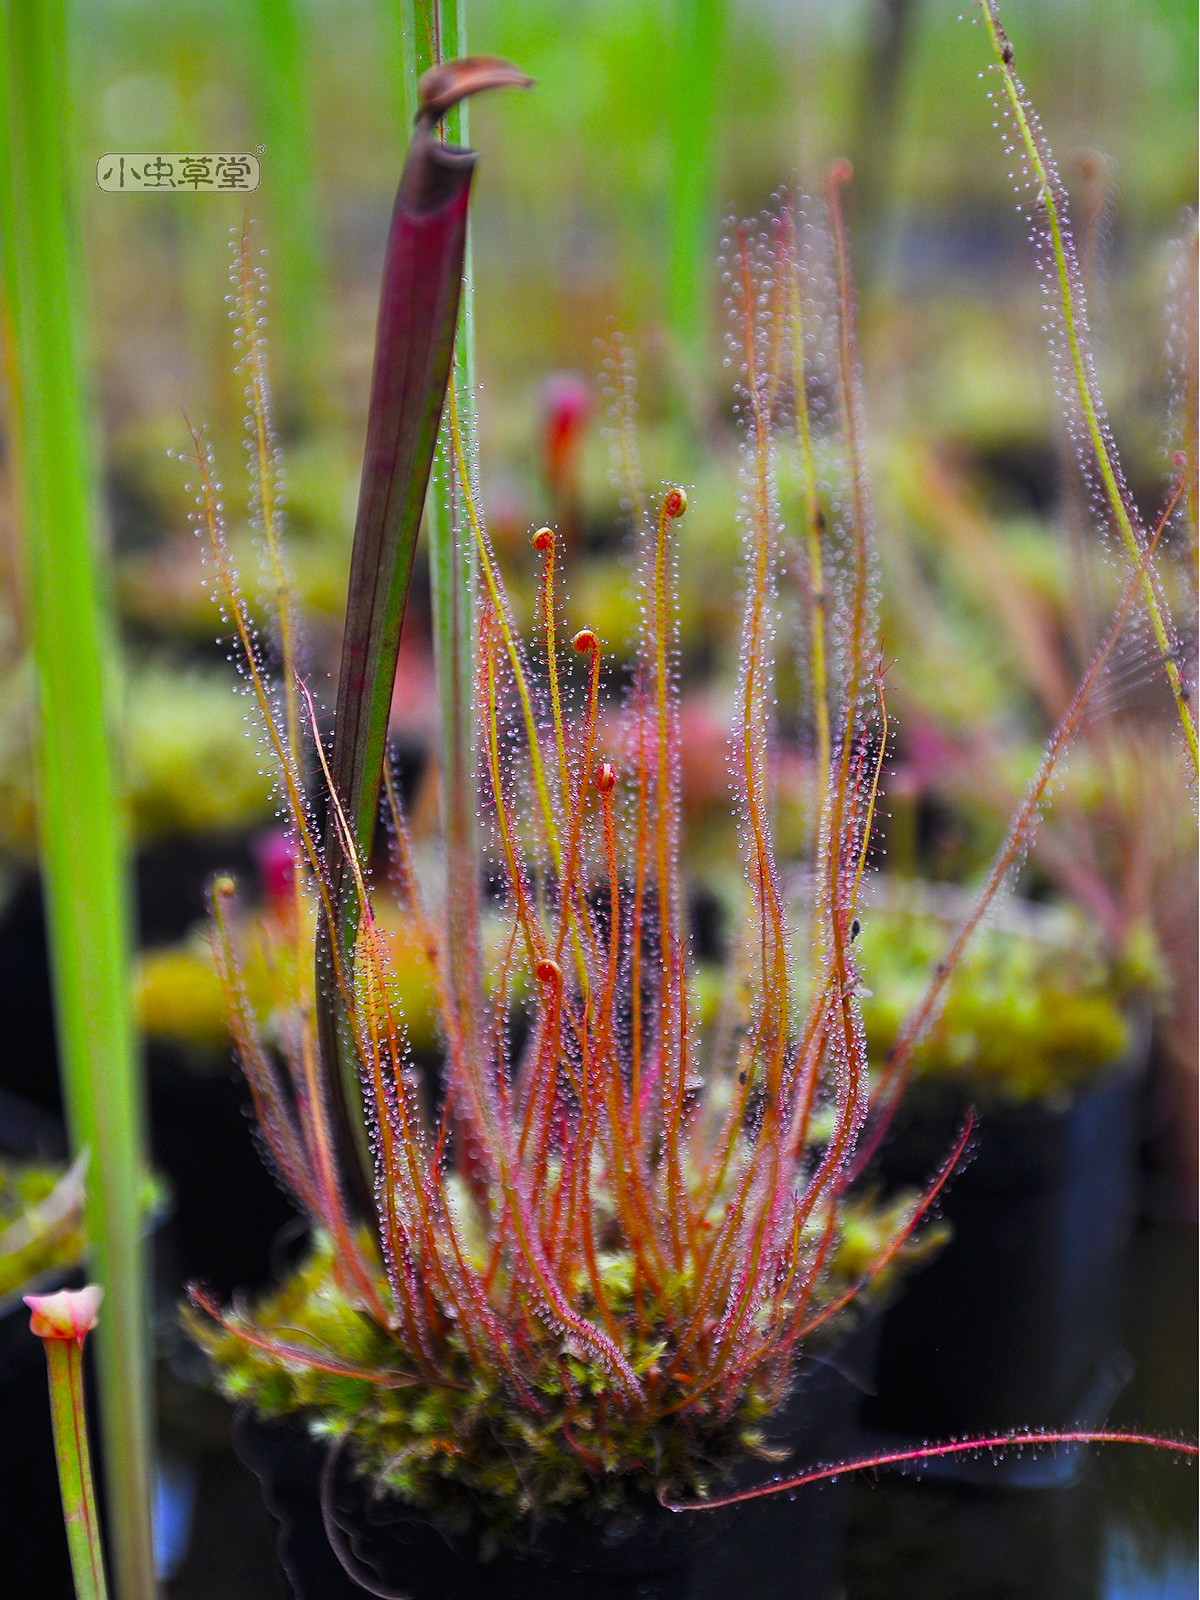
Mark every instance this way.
x=1033 y=1009
x=191 y=765
x=571 y=235
x=41 y=1221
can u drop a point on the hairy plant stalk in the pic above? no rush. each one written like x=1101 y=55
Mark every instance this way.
x=1049 y=209
x=83 y=846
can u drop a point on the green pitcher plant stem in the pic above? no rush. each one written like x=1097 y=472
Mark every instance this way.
x=433 y=31
x=82 y=840
x=1047 y=209
x=695 y=64
x=277 y=33
x=63 y=1321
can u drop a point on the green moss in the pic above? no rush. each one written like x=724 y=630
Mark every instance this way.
x=482 y=1458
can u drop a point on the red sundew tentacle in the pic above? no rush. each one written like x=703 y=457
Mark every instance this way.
x=814 y=538
x=314 y=1188
x=578 y=1230
x=815 y=1267
x=455 y=1279
x=808 y=1058
x=867 y=827
x=282 y=1133
x=641 y=851
x=933 y=1452
x=513 y=862
x=769 y=1039
x=522 y=1216
x=572 y=911
x=711 y=1269
x=851 y=1079
x=537 y=1093
x=896 y=1068
x=368 y=970
x=801 y=1330
x=544 y=1059
x=753 y=1263
x=681 y=1200
x=392 y=1101
x=770 y=1027
x=284 y=1350
x=673 y=506
x=317 y=1131
x=543 y=1111
x=542 y=1274
x=839 y=173
x=733 y=1373
x=405 y=884
x=500 y=1011
x=416 y=1307
x=633 y=1202
x=498 y=609
x=543 y=542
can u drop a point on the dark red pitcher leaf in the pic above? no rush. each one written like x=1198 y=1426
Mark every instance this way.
x=414 y=345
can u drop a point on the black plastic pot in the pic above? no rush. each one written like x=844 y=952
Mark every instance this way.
x=1015 y=1324
x=776 y=1549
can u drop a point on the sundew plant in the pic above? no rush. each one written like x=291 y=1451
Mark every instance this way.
x=1042 y=201
x=581 y=1266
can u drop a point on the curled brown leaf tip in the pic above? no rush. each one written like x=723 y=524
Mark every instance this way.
x=445 y=84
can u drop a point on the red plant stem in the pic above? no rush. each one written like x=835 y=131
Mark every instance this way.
x=894 y=1245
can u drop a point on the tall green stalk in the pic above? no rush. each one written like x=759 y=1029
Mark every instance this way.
x=695 y=56
x=81 y=836
x=278 y=61
x=433 y=31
